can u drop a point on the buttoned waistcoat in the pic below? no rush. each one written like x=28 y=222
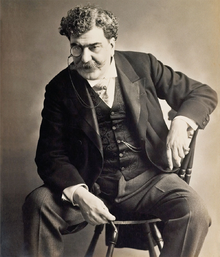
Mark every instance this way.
x=69 y=149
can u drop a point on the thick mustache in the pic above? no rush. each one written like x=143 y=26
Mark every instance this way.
x=89 y=65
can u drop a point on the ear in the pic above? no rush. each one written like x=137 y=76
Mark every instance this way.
x=112 y=43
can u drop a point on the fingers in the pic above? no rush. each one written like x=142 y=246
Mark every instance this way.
x=186 y=151
x=178 y=140
x=100 y=216
x=108 y=215
x=175 y=154
x=169 y=157
x=190 y=132
x=93 y=209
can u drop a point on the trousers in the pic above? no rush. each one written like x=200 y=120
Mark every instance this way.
x=186 y=220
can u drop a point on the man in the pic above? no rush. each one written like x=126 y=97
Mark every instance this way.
x=106 y=155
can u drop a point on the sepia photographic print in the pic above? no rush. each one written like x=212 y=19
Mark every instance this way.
x=173 y=48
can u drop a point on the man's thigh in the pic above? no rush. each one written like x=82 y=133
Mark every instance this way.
x=165 y=196
x=45 y=202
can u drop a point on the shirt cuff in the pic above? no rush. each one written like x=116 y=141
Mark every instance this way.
x=68 y=193
x=191 y=123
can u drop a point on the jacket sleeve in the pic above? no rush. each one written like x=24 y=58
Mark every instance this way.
x=188 y=97
x=52 y=159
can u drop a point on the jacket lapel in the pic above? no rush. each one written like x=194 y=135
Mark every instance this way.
x=140 y=102
x=84 y=104
x=134 y=91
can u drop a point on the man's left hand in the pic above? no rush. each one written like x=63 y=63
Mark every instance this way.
x=178 y=141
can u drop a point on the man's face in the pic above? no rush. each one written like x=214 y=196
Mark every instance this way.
x=95 y=52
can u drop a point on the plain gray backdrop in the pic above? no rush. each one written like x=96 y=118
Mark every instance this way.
x=184 y=34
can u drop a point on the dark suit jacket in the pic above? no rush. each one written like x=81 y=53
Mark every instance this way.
x=70 y=150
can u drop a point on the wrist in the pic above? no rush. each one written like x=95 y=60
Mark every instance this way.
x=79 y=193
x=190 y=123
x=179 y=123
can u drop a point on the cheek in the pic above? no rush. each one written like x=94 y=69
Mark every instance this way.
x=99 y=59
x=106 y=56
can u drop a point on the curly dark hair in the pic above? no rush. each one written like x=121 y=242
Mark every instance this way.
x=81 y=19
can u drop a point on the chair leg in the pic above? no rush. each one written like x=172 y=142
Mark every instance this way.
x=112 y=241
x=156 y=235
x=97 y=232
x=152 y=252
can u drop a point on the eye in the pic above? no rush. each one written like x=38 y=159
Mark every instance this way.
x=76 y=50
x=95 y=48
x=76 y=47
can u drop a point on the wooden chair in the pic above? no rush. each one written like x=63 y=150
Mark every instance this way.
x=153 y=234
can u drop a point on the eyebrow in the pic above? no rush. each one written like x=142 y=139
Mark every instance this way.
x=87 y=45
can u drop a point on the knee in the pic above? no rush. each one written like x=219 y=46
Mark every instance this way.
x=198 y=212
x=189 y=204
x=36 y=200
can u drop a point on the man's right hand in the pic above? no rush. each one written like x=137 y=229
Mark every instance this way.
x=93 y=209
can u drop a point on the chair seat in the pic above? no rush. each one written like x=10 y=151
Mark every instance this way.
x=133 y=233
x=134 y=222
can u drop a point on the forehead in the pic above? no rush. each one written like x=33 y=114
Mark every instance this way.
x=95 y=35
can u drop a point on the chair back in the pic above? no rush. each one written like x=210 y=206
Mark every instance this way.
x=185 y=170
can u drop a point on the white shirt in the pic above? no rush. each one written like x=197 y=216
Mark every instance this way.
x=110 y=75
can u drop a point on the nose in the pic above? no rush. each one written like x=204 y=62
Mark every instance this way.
x=86 y=55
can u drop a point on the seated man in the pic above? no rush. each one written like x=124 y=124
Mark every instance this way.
x=104 y=153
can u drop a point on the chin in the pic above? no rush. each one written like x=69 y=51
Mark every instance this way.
x=90 y=75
